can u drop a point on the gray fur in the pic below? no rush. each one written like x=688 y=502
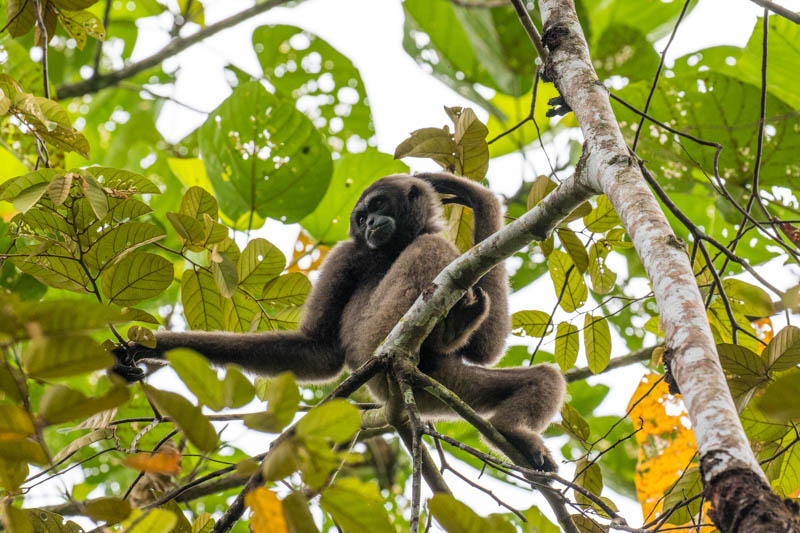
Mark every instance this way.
x=369 y=282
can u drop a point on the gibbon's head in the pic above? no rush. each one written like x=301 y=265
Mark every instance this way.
x=394 y=211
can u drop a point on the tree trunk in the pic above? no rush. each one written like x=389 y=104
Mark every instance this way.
x=732 y=477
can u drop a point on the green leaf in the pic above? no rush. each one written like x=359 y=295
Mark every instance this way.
x=533 y=323
x=572 y=288
x=356 y=506
x=191 y=230
x=237 y=390
x=189 y=419
x=197 y=374
x=240 y=313
x=12 y=188
x=455 y=517
x=52 y=124
x=15 y=423
x=225 y=275
x=603 y=217
x=61 y=272
x=472 y=150
x=297 y=514
x=603 y=278
x=688 y=485
x=433 y=143
x=597 y=342
x=281 y=461
x=260 y=262
x=73 y=5
x=539 y=522
x=15 y=520
x=137 y=277
x=740 y=361
x=288 y=289
x=352 y=173
x=61 y=404
x=336 y=420
x=623 y=50
x=755 y=300
x=264 y=156
x=20 y=17
x=566 y=352
x=119 y=241
x=58 y=189
x=590 y=478
x=574 y=423
x=27 y=198
x=122 y=180
x=783 y=351
x=282 y=397
x=325 y=77
x=541 y=187
x=153 y=521
x=79 y=24
x=54 y=357
x=575 y=249
x=109 y=510
x=23 y=450
x=775 y=402
x=197 y=202
x=202 y=304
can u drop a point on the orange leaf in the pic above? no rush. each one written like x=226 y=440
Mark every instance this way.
x=162 y=462
x=267 y=511
x=306 y=247
x=666 y=442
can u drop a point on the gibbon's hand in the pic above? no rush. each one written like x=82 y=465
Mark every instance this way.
x=126 y=356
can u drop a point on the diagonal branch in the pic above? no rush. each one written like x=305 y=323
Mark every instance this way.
x=99 y=82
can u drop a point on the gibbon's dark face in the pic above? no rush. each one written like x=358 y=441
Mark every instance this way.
x=374 y=219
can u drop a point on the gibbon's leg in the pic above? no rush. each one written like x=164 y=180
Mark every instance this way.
x=520 y=401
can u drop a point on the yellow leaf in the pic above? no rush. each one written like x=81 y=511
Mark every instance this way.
x=267 y=511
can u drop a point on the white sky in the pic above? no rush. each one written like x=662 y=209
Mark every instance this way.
x=403 y=98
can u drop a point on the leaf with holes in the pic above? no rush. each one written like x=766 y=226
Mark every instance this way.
x=260 y=262
x=264 y=156
x=119 y=241
x=533 y=323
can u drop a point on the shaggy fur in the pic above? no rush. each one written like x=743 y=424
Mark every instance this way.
x=368 y=283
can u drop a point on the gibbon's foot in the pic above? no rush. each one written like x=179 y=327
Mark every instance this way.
x=534 y=450
x=130 y=373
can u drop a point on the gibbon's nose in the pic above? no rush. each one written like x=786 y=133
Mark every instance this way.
x=374 y=222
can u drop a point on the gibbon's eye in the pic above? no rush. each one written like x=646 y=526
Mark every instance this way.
x=361 y=220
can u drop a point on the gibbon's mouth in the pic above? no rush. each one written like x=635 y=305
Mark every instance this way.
x=378 y=236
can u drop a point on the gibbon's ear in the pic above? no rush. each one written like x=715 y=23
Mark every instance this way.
x=414 y=192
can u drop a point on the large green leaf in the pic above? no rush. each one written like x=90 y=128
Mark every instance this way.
x=137 y=277
x=356 y=506
x=567 y=281
x=456 y=517
x=336 y=420
x=352 y=174
x=120 y=240
x=198 y=376
x=202 y=304
x=302 y=65
x=187 y=417
x=53 y=357
x=61 y=404
x=288 y=289
x=263 y=156
x=260 y=262
x=597 y=342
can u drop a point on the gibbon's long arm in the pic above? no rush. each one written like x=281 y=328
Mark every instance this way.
x=486 y=344
x=312 y=353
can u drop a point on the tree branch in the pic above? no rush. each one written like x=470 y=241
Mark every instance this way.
x=99 y=82
x=779 y=10
x=577 y=374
